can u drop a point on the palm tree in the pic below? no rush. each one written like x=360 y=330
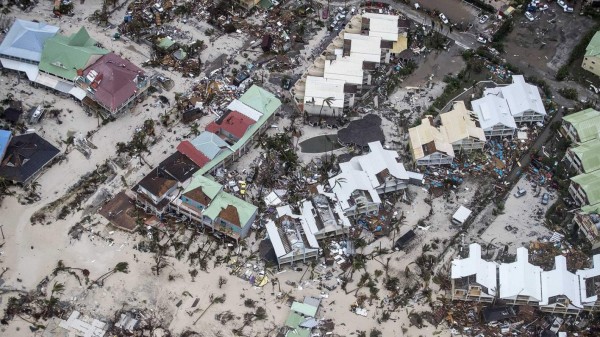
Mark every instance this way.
x=121 y=267
x=328 y=101
x=338 y=182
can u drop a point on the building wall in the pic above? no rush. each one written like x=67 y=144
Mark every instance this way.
x=468 y=144
x=193 y=203
x=499 y=130
x=529 y=116
x=574 y=161
x=591 y=64
x=435 y=159
x=568 y=130
x=578 y=194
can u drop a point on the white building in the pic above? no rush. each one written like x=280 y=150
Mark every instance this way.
x=493 y=114
x=291 y=241
x=473 y=278
x=461 y=215
x=520 y=281
x=324 y=96
x=560 y=289
x=523 y=99
x=589 y=282
x=363 y=178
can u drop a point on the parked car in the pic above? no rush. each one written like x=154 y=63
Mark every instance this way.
x=529 y=16
x=542 y=7
x=520 y=192
x=483 y=19
x=443 y=18
x=568 y=9
x=481 y=39
x=545 y=199
x=561 y=3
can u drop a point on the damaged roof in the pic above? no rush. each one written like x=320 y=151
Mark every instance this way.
x=117 y=80
x=156 y=183
x=232 y=122
x=230 y=208
x=25 y=155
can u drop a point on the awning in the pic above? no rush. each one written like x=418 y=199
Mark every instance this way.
x=31 y=70
x=62 y=86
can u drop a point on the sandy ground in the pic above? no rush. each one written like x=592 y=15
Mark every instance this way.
x=31 y=252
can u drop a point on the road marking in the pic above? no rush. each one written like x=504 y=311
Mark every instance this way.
x=463 y=46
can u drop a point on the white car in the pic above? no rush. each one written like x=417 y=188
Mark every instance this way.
x=481 y=40
x=529 y=16
x=483 y=19
x=443 y=18
x=568 y=9
x=561 y=3
x=542 y=7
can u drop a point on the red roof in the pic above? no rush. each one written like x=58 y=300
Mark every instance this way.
x=234 y=123
x=188 y=149
x=116 y=77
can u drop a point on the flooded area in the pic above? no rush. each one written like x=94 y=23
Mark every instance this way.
x=320 y=144
x=456 y=11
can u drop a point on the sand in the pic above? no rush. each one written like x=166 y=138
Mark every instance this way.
x=31 y=252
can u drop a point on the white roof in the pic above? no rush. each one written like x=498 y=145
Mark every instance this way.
x=378 y=160
x=25 y=39
x=275 y=238
x=383 y=25
x=245 y=110
x=492 y=110
x=365 y=48
x=272 y=199
x=31 y=70
x=349 y=181
x=560 y=281
x=309 y=224
x=462 y=214
x=589 y=273
x=474 y=265
x=520 y=96
x=319 y=88
x=360 y=173
x=346 y=68
x=60 y=85
x=520 y=278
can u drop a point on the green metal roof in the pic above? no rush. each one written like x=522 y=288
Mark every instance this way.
x=166 y=43
x=590 y=184
x=593 y=48
x=591 y=209
x=589 y=155
x=586 y=122
x=298 y=332
x=245 y=210
x=304 y=309
x=63 y=55
x=260 y=100
x=249 y=132
x=209 y=187
x=294 y=319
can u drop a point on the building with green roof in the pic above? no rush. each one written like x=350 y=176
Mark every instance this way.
x=63 y=56
x=230 y=215
x=582 y=126
x=585 y=189
x=304 y=309
x=591 y=59
x=260 y=100
x=585 y=158
x=205 y=202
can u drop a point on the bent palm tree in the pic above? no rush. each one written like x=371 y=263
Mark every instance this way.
x=121 y=267
x=328 y=101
